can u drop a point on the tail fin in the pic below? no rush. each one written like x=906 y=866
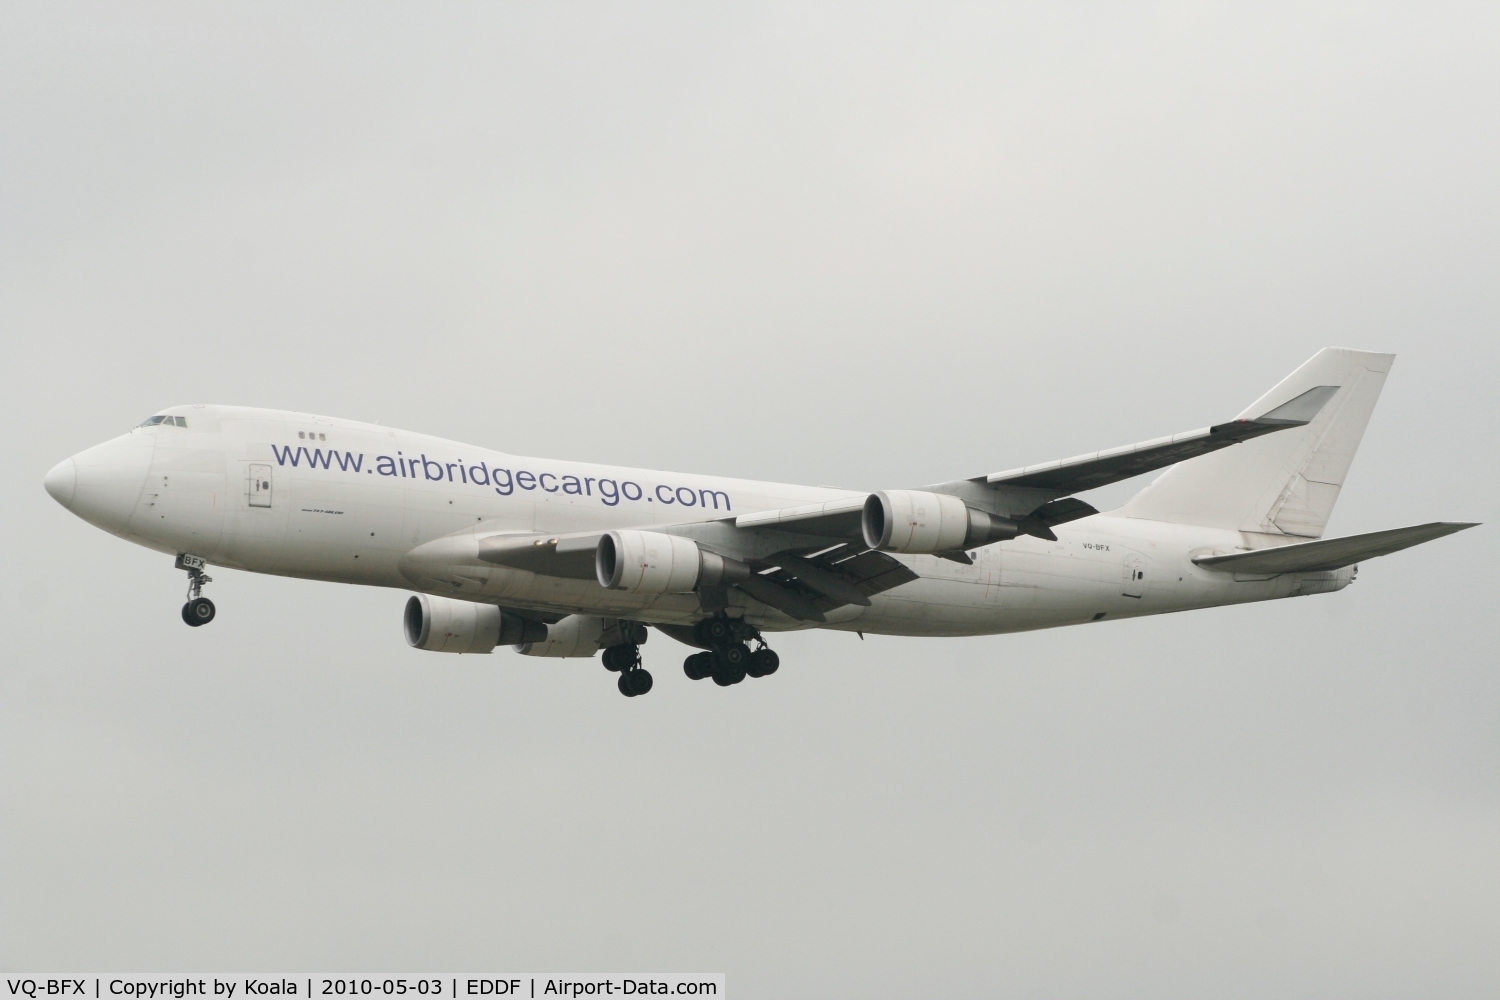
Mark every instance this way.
x=1284 y=483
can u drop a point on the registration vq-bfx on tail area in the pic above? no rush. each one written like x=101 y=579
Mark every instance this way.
x=569 y=559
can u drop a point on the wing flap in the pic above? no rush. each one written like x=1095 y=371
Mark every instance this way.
x=1330 y=553
x=806 y=585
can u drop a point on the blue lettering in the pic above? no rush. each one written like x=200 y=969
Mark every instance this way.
x=317 y=459
x=705 y=495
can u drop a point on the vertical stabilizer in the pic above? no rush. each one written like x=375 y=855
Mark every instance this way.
x=1284 y=483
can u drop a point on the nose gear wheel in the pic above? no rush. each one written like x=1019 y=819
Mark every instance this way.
x=198 y=610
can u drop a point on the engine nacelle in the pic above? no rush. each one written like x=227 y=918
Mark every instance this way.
x=443 y=625
x=580 y=635
x=913 y=521
x=651 y=562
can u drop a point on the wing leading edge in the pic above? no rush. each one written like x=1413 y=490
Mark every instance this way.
x=1101 y=468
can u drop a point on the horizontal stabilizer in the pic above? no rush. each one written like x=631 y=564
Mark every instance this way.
x=1331 y=553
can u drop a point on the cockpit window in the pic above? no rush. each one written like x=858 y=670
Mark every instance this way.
x=153 y=421
x=164 y=420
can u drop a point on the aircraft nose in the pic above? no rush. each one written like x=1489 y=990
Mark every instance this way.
x=61 y=481
x=103 y=484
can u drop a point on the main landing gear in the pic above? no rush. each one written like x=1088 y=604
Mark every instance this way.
x=625 y=659
x=198 y=610
x=729 y=658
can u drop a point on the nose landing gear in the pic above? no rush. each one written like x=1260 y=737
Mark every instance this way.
x=198 y=610
x=729 y=659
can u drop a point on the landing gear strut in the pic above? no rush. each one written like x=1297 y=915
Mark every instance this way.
x=198 y=610
x=729 y=658
x=625 y=659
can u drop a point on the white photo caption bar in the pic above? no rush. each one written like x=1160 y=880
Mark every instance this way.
x=306 y=986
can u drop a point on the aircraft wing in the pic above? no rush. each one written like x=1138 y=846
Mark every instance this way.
x=807 y=585
x=811 y=558
x=1033 y=495
x=569 y=556
x=803 y=581
x=1100 y=468
x=1330 y=553
x=834 y=519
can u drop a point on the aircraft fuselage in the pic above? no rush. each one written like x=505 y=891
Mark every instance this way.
x=320 y=498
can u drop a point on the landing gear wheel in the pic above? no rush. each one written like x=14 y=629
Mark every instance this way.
x=698 y=666
x=730 y=663
x=199 y=611
x=718 y=631
x=763 y=662
x=727 y=676
x=634 y=682
x=621 y=657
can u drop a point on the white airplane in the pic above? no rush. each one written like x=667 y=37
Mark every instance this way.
x=567 y=559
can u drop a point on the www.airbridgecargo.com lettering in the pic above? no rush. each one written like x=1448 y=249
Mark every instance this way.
x=503 y=481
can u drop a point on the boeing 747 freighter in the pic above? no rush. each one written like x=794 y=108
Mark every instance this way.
x=564 y=559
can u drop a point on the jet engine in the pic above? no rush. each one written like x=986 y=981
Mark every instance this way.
x=575 y=635
x=444 y=625
x=650 y=562
x=912 y=521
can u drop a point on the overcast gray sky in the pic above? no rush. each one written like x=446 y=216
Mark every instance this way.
x=853 y=245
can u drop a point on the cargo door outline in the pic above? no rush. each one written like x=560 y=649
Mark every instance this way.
x=260 y=485
x=1133 y=578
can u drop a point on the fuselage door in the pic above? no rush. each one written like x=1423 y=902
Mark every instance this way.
x=1133 y=584
x=260 y=485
